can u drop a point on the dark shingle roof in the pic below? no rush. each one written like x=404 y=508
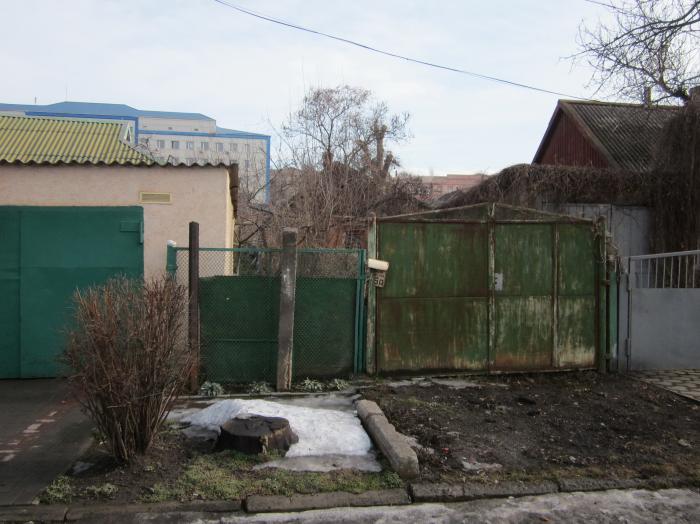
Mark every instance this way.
x=625 y=133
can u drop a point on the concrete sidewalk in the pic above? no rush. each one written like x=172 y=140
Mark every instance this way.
x=42 y=432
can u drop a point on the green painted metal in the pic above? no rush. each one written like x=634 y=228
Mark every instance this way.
x=504 y=289
x=239 y=314
x=523 y=296
x=459 y=250
x=10 y=277
x=577 y=301
x=171 y=260
x=434 y=307
x=48 y=253
x=239 y=319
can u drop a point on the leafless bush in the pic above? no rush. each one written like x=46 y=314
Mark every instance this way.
x=129 y=358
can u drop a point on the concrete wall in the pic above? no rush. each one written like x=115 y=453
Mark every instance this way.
x=198 y=194
x=665 y=332
x=629 y=225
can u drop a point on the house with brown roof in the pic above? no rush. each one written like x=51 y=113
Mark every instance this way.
x=603 y=134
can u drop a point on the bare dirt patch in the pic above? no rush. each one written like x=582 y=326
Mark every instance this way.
x=546 y=426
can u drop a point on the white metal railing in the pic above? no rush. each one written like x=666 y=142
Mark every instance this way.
x=680 y=269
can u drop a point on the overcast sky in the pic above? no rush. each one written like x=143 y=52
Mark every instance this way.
x=199 y=56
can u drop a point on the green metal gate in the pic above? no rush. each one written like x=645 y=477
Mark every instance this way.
x=46 y=254
x=486 y=288
x=239 y=312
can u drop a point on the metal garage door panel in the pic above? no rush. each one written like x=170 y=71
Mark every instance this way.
x=523 y=334
x=575 y=332
x=523 y=282
x=576 y=302
x=9 y=293
x=434 y=260
x=63 y=249
x=523 y=259
x=433 y=334
x=576 y=260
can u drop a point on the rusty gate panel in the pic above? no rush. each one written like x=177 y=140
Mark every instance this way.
x=489 y=288
x=434 y=334
x=434 y=260
x=433 y=312
x=576 y=300
x=523 y=288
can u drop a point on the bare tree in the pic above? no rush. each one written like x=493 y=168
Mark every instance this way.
x=334 y=170
x=648 y=50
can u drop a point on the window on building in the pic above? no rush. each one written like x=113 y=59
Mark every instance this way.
x=204 y=146
x=247 y=148
x=174 y=144
x=219 y=146
x=160 y=144
x=247 y=164
x=233 y=147
x=190 y=145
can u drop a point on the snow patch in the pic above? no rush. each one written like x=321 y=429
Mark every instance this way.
x=320 y=431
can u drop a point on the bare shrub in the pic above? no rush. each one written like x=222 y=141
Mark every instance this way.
x=129 y=358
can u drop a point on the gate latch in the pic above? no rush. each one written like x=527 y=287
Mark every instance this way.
x=498 y=281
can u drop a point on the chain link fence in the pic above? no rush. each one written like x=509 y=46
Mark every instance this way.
x=239 y=312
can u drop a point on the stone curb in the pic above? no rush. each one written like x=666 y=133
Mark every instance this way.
x=430 y=492
x=109 y=512
x=420 y=492
x=391 y=443
x=53 y=513
x=280 y=503
x=103 y=511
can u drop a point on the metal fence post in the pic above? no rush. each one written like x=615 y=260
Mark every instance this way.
x=288 y=273
x=193 y=325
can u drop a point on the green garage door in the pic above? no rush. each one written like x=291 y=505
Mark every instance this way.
x=45 y=255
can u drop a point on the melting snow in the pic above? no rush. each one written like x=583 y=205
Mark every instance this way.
x=320 y=431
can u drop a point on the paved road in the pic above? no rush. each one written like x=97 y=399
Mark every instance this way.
x=614 y=506
x=42 y=432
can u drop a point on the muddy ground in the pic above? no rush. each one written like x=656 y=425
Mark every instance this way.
x=546 y=426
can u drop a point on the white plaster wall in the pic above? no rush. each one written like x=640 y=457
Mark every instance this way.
x=199 y=194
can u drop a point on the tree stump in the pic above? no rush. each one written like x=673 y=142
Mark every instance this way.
x=256 y=434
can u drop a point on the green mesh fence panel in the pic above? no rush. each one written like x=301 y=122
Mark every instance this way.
x=239 y=313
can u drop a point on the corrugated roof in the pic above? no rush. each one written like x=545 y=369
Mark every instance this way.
x=100 y=109
x=41 y=140
x=627 y=134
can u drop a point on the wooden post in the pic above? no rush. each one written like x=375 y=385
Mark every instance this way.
x=285 y=339
x=193 y=325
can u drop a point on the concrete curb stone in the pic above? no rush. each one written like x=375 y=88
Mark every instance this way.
x=391 y=443
x=437 y=492
x=280 y=503
x=593 y=484
x=52 y=513
x=103 y=510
